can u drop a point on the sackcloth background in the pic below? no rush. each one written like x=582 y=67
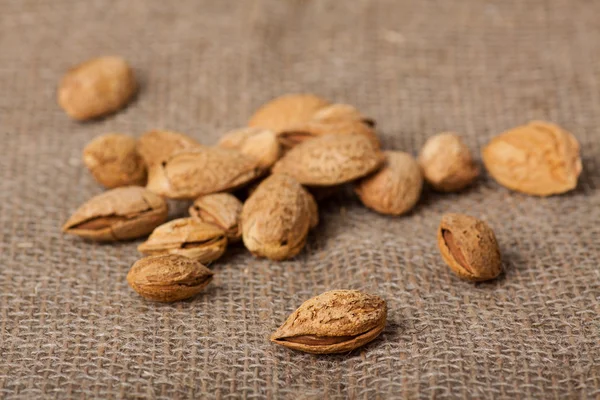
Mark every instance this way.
x=70 y=327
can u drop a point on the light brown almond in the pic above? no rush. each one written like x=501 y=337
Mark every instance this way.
x=118 y=214
x=469 y=247
x=276 y=218
x=395 y=188
x=338 y=321
x=447 y=163
x=96 y=87
x=220 y=209
x=200 y=171
x=258 y=143
x=113 y=160
x=539 y=158
x=168 y=278
x=331 y=160
x=187 y=237
x=341 y=112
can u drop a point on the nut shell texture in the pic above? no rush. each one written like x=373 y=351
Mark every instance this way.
x=469 y=247
x=330 y=160
x=395 y=188
x=168 y=278
x=539 y=158
x=333 y=322
x=96 y=87
x=113 y=161
x=276 y=218
x=447 y=163
x=118 y=214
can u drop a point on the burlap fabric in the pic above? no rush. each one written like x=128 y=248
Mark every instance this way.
x=70 y=327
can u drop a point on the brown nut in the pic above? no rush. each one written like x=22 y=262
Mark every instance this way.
x=338 y=321
x=168 y=278
x=222 y=210
x=199 y=171
x=187 y=237
x=395 y=188
x=539 y=158
x=97 y=87
x=258 y=143
x=118 y=214
x=276 y=218
x=285 y=111
x=330 y=160
x=113 y=161
x=469 y=247
x=157 y=146
x=447 y=163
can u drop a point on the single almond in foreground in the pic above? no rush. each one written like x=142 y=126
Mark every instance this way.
x=168 y=278
x=469 y=247
x=338 y=321
x=118 y=214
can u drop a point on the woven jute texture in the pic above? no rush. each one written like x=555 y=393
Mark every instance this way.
x=70 y=327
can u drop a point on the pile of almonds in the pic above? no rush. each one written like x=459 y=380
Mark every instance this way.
x=296 y=150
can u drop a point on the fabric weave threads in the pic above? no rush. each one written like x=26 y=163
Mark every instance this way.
x=70 y=327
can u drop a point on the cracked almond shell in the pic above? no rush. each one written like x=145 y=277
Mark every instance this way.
x=187 y=237
x=286 y=111
x=168 y=278
x=200 y=171
x=469 y=247
x=96 y=87
x=330 y=160
x=276 y=218
x=220 y=209
x=113 y=160
x=539 y=158
x=395 y=188
x=447 y=163
x=338 y=321
x=118 y=214
x=258 y=143
x=302 y=132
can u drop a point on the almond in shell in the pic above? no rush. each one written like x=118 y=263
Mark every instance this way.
x=168 y=278
x=187 y=237
x=96 y=87
x=395 y=188
x=200 y=171
x=331 y=160
x=118 y=214
x=539 y=158
x=158 y=145
x=276 y=218
x=338 y=321
x=113 y=161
